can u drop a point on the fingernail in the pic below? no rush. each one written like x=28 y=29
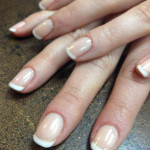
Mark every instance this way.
x=17 y=26
x=79 y=47
x=43 y=29
x=48 y=130
x=22 y=79
x=44 y=4
x=144 y=68
x=105 y=139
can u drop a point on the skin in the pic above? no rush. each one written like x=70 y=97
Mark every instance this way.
x=77 y=93
x=73 y=16
x=59 y=4
x=109 y=36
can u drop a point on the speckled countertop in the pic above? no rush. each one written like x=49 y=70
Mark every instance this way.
x=19 y=114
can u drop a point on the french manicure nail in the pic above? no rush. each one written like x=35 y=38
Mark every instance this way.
x=79 y=47
x=17 y=26
x=144 y=68
x=105 y=138
x=22 y=79
x=48 y=130
x=45 y=4
x=43 y=29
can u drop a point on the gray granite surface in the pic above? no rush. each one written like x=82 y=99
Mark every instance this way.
x=19 y=114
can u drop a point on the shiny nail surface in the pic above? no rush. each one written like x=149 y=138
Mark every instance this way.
x=20 y=81
x=105 y=138
x=17 y=26
x=44 y=4
x=48 y=130
x=144 y=68
x=79 y=47
x=43 y=29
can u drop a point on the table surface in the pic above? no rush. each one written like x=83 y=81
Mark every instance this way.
x=19 y=114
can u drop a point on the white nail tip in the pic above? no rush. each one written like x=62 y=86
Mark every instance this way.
x=95 y=147
x=41 y=6
x=12 y=30
x=16 y=87
x=35 y=35
x=70 y=54
x=51 y=12
x=142 y=71
x=42 y=143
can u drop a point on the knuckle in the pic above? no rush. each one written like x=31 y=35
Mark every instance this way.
x=73 y=96
x=123 y=111
x=77 y=33
x=64 y=17
x=102 y=63
x=69 y=11
x=144 y=11
x=109 y=34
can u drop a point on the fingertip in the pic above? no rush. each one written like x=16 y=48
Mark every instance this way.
x=36 y=35
x=95 y=147
x=11 y=29
x=42 y=143
x=141 y=71
x=41 y=6
x=16 y=87
x=70 y=54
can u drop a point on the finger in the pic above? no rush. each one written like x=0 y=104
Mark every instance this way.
x=78 y=92
x=123 y=29
x=44 y=65
x=74 y=16
x=143 y=67
x=25 y=27
x=129 y=93
x=53 y=4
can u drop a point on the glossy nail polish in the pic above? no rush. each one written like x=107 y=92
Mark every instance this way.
x=22 y=79
x=144 y=68
x=105 y=138
x=79 y=47
x=43 y=29
x=48 y=130
x=44 y=4
x=17 y=26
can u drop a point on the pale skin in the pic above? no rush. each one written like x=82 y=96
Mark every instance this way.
x=76 y=95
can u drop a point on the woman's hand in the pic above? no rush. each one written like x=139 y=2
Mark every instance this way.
x=99 y=41
x=75 y=15
x=66 y=110
x=127 y=27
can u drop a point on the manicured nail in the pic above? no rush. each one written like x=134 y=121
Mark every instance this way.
x=105 y=139
x=22 y=79
x=43 y=29
x=48 y=130
x=44 y=4
x=79 y=47
x=17 y=26
x=144 y=68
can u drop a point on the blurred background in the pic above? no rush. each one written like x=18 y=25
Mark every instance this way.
x=19 y=114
